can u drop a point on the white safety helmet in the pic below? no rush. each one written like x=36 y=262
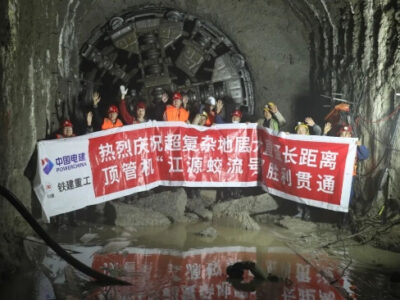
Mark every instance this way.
x=211 y=100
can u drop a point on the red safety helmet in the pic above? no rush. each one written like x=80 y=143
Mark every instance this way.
x=237 y=113
x=141 y=105
x=112 y=109
x=177 y=96
x=67 y=123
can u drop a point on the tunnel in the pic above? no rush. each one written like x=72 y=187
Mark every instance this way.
x=306 y=56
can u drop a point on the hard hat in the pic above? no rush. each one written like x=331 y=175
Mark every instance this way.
x=266 y=107
x=177 y=96
x=211 y=100
x=141 y=105
x=67 y=123
x=237 y=113
x=204 y=114
x=301 y=124
x=112 y=109
x=345 y=129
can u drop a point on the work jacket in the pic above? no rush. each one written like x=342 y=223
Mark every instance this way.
x=176 y=114
x=108 y=124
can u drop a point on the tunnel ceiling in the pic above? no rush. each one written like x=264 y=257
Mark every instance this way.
x=156 y=49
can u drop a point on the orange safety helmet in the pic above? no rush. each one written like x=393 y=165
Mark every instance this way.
x=333 y=116
x=176 y=96
x=113 y=109
x=237 y=113
x=141 y=105
x=67 y=123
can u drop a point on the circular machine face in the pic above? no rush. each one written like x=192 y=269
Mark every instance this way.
x=157 y=50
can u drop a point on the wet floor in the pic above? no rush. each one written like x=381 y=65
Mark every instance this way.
x=175 y=262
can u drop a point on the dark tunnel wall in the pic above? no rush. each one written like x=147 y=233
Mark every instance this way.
x=355 y=54
x=295 y=50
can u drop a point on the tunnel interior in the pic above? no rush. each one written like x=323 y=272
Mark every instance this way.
x=306 y=56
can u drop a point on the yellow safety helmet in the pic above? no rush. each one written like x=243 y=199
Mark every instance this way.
x=301 y=124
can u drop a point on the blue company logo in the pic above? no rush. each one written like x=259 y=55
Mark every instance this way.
x=70 y=162
x=47 y=165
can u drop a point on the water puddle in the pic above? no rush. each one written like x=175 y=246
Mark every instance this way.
x=176 y=262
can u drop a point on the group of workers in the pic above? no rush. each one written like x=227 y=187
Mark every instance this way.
x=211 y=113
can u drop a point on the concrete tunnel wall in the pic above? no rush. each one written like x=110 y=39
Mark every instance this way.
x=295 y=50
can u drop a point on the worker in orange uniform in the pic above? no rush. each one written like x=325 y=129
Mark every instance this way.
x=112 y=120
x=176 y=112
x=67 y=130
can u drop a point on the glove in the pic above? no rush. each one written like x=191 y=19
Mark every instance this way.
x=124 y=90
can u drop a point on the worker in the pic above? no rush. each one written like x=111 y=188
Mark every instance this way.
x=210 y=110
x=303 y=211
x=273 y=119
x=236 y=116
x=176 y=112
x=140 y=113
x=361 y=154
x=201 y=119
x=67 y=130
x=111 y=121
x=303 y=128
x=126 y=116
x=219 y=112
x=362 y=151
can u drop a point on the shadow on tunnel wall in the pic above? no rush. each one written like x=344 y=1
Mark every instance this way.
x=308 y=105
x=30 y=172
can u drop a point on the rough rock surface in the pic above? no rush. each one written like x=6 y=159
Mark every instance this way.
x=298 y=226
x=240 y=220
x=208 y=197
x=196 y=206
x=171 y=203
x=210 y=232
x=251 y=204
x=128 y=215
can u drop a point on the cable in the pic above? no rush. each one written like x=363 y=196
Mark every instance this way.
x=383 y=118
x=100 y=277
x=377 y=139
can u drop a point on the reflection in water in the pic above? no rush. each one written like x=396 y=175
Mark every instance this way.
x=166 y=274
x=197 y=267
x=200 y=274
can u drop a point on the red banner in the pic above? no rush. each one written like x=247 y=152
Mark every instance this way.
x=315 y=170
x=172 y=155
